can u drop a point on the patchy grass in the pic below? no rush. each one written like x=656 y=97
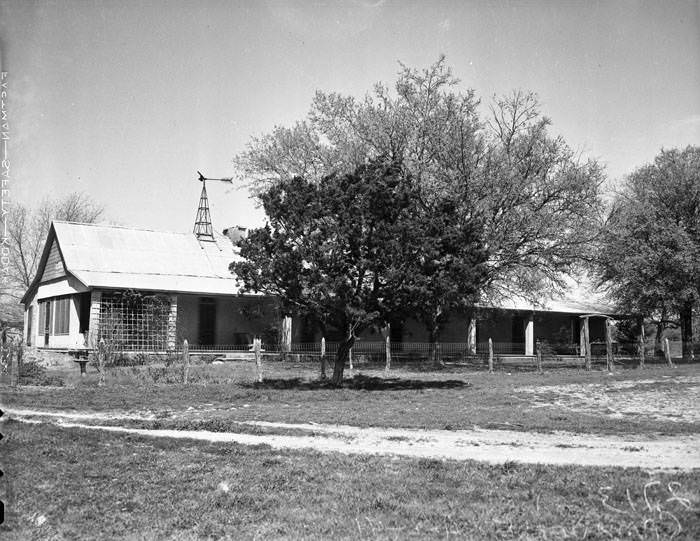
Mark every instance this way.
x=454 y=398
x=79 y=484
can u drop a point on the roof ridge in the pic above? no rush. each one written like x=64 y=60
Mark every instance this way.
x=217 y=276
x=129 y=228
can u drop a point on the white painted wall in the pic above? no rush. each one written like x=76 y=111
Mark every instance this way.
x=64 y=286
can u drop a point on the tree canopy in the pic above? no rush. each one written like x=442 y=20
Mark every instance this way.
x=493 y=205
x=533 y=199
x=649 y=256
x=336 y=250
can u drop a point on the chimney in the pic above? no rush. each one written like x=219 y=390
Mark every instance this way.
x=235 y=233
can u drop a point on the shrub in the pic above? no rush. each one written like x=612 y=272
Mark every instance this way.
x=32 y=373
x=122 y=359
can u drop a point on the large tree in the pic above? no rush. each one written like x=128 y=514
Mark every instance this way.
x=649 y=256
x=524 y=197
x=535 y=200
x=335 y=250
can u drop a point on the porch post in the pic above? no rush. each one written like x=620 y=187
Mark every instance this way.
x=94 y=332
x=286 y=334
x=171 y=340
x=471 y=336
x=530 y=335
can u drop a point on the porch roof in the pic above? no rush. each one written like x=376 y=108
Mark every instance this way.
x=580 y=297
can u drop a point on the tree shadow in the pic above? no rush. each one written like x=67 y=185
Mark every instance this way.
x=359 y=382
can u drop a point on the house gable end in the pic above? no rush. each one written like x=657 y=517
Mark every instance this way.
x=54 y=267
x=48 y=271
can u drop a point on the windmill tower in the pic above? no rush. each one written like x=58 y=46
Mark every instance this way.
x=202 y=222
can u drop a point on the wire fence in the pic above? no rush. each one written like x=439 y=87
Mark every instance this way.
x=304 y=359
x=375 y=352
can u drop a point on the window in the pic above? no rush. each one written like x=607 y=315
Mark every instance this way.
x=42 y=325
x=30 y=325
x=61 y=318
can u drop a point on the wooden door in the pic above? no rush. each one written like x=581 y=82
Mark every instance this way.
x=207 y=321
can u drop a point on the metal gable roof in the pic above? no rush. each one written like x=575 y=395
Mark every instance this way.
x=121 y=257
x=114 y=257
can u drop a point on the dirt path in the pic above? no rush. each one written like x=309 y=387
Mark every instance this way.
x=492 y=446
x=667 y=399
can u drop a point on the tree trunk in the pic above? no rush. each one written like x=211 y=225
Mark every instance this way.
x=687 y=331
x=642 y=343
x=434 y=337
x=667 y=352
x=387 y=349
x=342 y=357
x=658 y=343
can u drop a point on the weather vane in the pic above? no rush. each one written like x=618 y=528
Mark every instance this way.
x=202 y=178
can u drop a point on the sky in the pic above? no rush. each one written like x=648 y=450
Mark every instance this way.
x=126 y=100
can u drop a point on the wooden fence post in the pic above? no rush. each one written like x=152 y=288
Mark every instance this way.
x=490 y=356
x=19 y=351
x=286 y=335
x=323 y=357
x=471 y=336
x=20 y=359
x=387 y=367
x=101 y=360
x=642 y=344
x=608 y=345
x=9 y=359
x=667 y=352
x=258 y=359
x=587 y=342
x=186 y=360
x=539 y=356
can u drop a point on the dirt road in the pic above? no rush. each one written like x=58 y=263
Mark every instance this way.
x=492 y=446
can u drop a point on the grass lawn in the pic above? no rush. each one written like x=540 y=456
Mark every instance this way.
x=77 y=484
x=453 y=398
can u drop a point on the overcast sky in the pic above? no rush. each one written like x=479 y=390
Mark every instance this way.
x=125 y=100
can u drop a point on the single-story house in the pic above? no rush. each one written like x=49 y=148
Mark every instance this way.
x=149 y=290
x=146 y=290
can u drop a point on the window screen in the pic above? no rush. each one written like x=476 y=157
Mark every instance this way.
x=42 y=326
x=61 y=318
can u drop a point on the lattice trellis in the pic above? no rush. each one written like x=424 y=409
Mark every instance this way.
x=132 y=321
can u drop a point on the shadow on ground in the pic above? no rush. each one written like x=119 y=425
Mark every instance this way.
x=358 y=382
